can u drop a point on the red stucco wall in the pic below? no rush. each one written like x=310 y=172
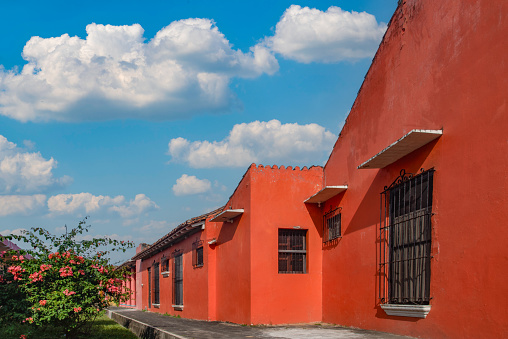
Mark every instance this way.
x=442 y=64
x=277 y=203
x=195 y=281
x=232 y=254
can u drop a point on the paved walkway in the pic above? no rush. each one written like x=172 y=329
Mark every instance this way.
x=148 y=325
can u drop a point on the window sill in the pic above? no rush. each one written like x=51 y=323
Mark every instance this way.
x=156 y=305
x=165 y=274
x=198 y=266
x=414 y=311
x=178 y=307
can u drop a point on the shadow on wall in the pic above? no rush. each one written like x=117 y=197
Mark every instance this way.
x=367 y=213
x=228 y=230
x=315 y=214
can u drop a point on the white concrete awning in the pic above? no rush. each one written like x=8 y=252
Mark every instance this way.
x=227 y=215
x=402 y=147
x=326 y=193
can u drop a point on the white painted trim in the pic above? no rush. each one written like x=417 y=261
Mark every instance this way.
x=414 y=311
x=165 y=274
x=227 y=215
x=326 y=193
x=402 y=147
x=199 y=224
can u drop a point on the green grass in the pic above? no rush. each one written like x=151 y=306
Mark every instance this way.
x=103 y=327
x=107 y=328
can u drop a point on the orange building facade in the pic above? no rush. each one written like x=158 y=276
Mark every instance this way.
x=402 y=231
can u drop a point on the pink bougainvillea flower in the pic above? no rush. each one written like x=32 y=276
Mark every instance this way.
x=66 y=271
x=42 y=302
x=54 y=255
x=77 y=309
x=16 y=271
x=36 y=276
x=67 y=292
x=45 y=267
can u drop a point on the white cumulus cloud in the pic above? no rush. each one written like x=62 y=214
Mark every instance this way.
x=141 y=204
x=114 y=73
x=89 y=203
x=81 y=202
x=21 y=204
x=26 y=172
x=260 y=142
x=17 y=231
x=156 y=225
x=189 y=184
x=310 y=35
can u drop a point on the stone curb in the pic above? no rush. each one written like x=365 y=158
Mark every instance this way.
x=142 y=330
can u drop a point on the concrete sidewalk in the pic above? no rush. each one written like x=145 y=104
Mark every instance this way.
x=148 y=325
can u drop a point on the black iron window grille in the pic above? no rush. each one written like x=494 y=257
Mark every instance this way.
x=405 y=239
x=156 y=283
x=292 y=251
x=332 y=225
x=165 y=264
x=178 y=279
x=149 y=287
x=197 y=253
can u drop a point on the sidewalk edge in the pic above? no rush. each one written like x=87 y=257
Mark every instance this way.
x=141 y=329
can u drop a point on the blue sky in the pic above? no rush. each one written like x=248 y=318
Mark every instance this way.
x=142 y=115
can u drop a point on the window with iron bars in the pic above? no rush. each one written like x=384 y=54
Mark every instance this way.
x=177 y=278
x=149 y=271
x=197 y=253
x=156 y=283
x=292 y=251
x=332 y=225
x=165 y=264
x=405 y=240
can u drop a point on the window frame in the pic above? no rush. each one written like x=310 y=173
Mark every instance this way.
x=197 y=254
x=149 y=273
x=332 y=225
x=178 y=279
x=156 y=284
x=292 y=251
x=405 y=240
x=164 y=265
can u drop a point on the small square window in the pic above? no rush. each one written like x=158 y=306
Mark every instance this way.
x=197 y=253
x=292 y=251
x=165 y=264
x=332 y=225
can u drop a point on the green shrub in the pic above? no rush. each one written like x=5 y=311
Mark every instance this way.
x=61 y=283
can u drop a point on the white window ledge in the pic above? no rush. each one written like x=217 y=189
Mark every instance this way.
x=156 y=305
x=178 y=307
x=165 y=274
x=414 y=311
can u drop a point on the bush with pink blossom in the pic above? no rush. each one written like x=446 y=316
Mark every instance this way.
x=61 y=282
